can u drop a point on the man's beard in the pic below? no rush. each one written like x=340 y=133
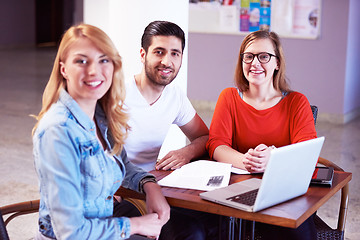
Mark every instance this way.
x=153 y=78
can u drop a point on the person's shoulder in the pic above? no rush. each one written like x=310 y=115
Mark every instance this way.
x=297 y=100
x=297 y=96
x=174 y=86
x=175 y=90
x=229 y=92
x=56 y=116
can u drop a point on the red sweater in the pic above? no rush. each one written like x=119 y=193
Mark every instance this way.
x=240 y=126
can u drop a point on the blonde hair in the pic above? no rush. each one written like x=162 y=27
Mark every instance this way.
x=279 y=79
x=112 y=102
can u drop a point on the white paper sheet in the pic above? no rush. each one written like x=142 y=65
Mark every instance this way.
x=239 y=171
x=200 y=175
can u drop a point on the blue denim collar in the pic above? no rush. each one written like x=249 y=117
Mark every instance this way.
x=102 y=123
x=76 y=111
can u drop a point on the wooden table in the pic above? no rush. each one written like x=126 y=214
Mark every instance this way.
x=290 y=214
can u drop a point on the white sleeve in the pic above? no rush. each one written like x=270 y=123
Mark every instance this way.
x=186 y=109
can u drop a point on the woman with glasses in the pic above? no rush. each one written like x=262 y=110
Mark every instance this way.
x=260 y=113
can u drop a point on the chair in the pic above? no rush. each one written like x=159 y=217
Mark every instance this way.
x=139 y=204
x=314 y=110
x=15 y=210
x=3 y=233
x=28 y=207
x=324 y=231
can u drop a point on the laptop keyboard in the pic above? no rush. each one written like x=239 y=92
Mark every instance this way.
x=247 y=198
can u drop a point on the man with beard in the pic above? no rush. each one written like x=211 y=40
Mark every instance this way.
x=153 y=105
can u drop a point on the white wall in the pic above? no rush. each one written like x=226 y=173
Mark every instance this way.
x=125 y=21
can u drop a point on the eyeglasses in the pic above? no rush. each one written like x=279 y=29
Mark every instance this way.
x=263 y=57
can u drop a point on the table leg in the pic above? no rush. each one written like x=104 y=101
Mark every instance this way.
x=232 y=232
x=252 y=230
x=246 y=230
x=240 y=228
x=231 y=228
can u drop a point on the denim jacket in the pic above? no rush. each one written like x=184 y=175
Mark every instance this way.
x=77 y=177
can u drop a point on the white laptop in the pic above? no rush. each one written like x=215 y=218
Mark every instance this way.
x=287 y=175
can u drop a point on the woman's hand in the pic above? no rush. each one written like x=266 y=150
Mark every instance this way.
x=156 y=202
x=257 y=159
x=148 y=225
x=158 y=213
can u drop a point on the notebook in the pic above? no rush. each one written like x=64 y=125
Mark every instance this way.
x=287 y=175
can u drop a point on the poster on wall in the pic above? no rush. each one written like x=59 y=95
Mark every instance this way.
x=296 y=18
x=306 y=16
x=254 y=19
x=255 y=15
x=288 y=18
x=291 y=18
x=265 y=14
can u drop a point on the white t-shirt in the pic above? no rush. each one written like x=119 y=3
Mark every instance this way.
x=150 y=124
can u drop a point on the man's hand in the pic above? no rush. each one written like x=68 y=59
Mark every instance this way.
x=173 y=160
x=198 y=134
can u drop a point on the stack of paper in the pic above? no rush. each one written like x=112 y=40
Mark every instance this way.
x=239 y=171
x=200 y=175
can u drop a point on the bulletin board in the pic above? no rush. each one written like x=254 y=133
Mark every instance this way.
x=288 y=18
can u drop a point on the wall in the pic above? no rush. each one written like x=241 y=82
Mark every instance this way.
x=78 y=11
x=17 y=23
x=352 y=84
x=316 y=68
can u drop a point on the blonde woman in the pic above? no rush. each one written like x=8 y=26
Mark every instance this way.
x=78 y=146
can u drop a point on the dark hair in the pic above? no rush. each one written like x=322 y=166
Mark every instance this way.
x=279 y=80
x=161 y=28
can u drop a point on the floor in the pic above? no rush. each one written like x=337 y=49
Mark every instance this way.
x=23 y=75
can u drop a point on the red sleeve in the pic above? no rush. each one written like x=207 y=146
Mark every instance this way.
x=302 y=126
x=221 y=128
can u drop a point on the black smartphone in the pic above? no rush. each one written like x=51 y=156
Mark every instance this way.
x=323 y=176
